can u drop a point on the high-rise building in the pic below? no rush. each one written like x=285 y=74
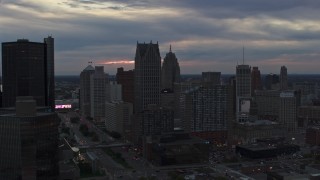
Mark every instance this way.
x=268 y=104
x=211 y=78
x=29 y=143
x=283 y=78
x=126 y=79
x=147 y=76
x=272 y=82
x=243 y=92
x=114 y=91
x=98 y=93
x=28 y=70
x=243 y=81
x=205 y=112
x=85 y=92
x=289 y=103
x=170 y=72
x=118 y=117
x=255 y=80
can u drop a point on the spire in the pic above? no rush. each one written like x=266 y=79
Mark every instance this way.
x=170 y=48
x=243 y=55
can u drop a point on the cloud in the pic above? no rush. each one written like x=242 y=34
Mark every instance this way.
x=204 y=35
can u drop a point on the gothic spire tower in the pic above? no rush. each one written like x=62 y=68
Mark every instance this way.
x=170 y=72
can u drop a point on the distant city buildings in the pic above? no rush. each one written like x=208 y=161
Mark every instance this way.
x=283 y=78
x=255 y=80
x=28 y=70
x=272 y=82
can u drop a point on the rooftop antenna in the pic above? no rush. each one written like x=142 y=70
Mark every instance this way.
x=243 y=55
x=170 y=47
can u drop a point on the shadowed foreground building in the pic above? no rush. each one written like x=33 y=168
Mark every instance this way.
x=29 y=143
x=28 y=70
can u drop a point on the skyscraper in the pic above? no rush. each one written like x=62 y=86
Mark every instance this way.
x=28 y=70
x=126 y=79
x=147 y=76
x=243 y=92
x=289 y=103
x=29 y=143
x=211 y=78
x=283 y=78
x=85 y=96
x=243 y=81
x=98 y=93
x=170 y=72
x=205 y=112
x=255 y=80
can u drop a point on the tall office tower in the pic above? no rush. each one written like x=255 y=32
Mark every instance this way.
x=289 y=103
x=272 y=82
x=283 y=78
x=255 y=80
x=205 y=112
x=147 y=76
x=243 y=92
x=170 y=72
x=126 y=79
x=85 y=92
x=211 y=78
x=49 y=42
x=98 y=82
x=29 y=143
x=28 y=70
x=243 y=81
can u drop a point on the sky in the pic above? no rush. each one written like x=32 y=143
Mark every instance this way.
x=206 y=35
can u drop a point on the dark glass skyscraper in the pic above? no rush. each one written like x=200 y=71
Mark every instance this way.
x=147 y=76
x=28 y=70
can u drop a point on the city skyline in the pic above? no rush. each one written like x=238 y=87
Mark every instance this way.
x=106 y=32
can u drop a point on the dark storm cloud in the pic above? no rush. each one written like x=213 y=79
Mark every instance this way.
x=207 y=31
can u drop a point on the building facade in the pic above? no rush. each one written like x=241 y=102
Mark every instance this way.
x=211 y=78
x=118 y=117
x=98 y=93
x=147 y=76
x=85 y=90
x=28 y=70
x=289 y=103
x=126 y=79
x=283 y=78
x=170 y=72
x=255 y=80
x=268 y=104
x=29 y=143
x=243 y=92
